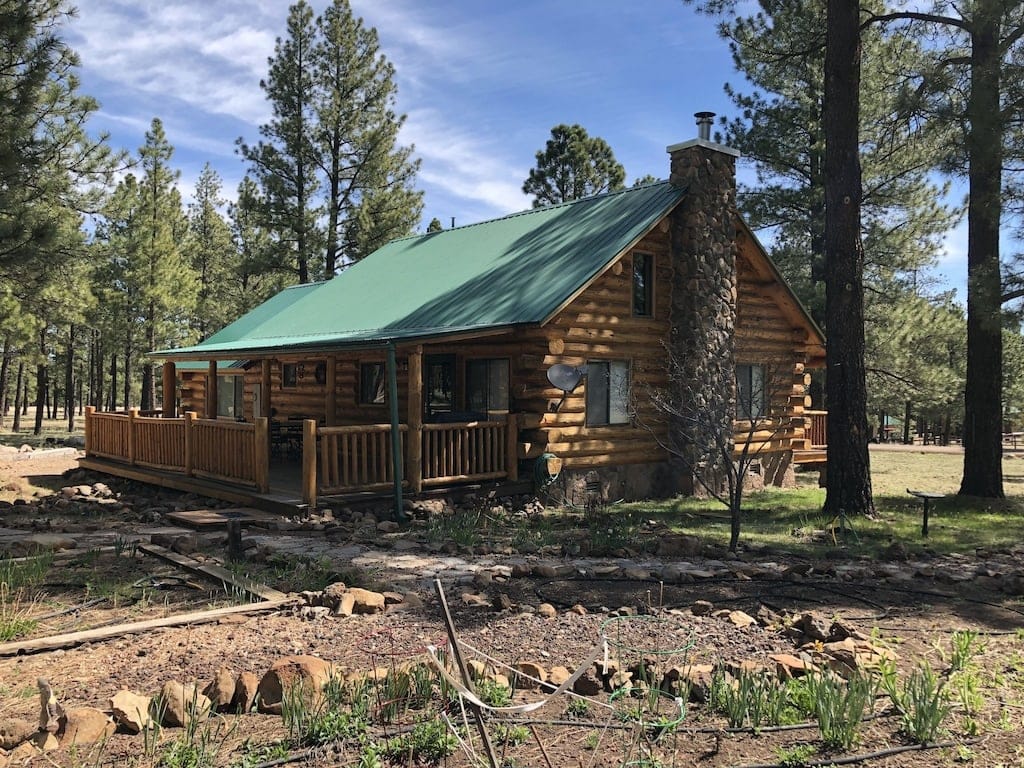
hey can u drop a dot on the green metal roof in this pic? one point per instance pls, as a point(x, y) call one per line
point(517, 269)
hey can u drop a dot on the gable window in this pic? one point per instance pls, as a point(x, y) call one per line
point(643, 284)
point(372, 384)
point(487, 385)
point(607, 392)
point(229, 396)
point(289, 376)
point(750, 400)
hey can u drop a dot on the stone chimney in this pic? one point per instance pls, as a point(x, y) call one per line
point(703, 309)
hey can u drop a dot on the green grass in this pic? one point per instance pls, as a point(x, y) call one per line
point(790, 520)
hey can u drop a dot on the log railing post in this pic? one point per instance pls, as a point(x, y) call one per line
point(414, 449)
point(190, 417)
point(133, 414)
point(261, 453)
point(89, 425)
point(512, 448)
point(309, 462)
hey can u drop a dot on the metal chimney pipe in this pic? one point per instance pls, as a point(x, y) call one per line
point(704, 121)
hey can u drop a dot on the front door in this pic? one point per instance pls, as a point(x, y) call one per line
point(438, 387)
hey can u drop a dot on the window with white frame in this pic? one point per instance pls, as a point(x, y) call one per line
point(607, 392)
point(750, 400)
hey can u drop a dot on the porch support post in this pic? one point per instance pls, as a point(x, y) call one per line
point(414, 438)
point(170, 389)
point(332, 391)
point(190, 419)
point(211, 391)
point(133, 414)
point(264, 388)
point(261, 451)
point(89, 426)
point(396, 436)
point(309, 458)
point(512, 448)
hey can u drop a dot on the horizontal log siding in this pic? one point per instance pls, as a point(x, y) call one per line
point(598, 325)
point(766, 336)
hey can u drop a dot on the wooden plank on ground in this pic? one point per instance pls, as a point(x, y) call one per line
point(205, 518)
point(119, 630)
point(214, 572)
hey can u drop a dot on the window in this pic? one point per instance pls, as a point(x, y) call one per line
point(607, 393)
point(289, 376)
point(749, 391)
point(229, 396)
point(643, 282)
point(372, 384)
point(487, 385)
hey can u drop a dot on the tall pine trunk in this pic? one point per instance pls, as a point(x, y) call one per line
point(16, 424)
point(983, 453)
point(849, 478)
point(5, 372)
point(69, 380)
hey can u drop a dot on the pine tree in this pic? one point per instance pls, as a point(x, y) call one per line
point(367, 177)
point(212, 254)
point(284, 162)
point(252, 280)
point(573, 165)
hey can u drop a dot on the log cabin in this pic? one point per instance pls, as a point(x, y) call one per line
point(537, 346)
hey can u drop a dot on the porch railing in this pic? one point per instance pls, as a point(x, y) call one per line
point(817, 428)
point(464, 452)
point(356, 458)
point(235, 452)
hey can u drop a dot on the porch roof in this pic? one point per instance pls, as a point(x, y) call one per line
point(482, 277)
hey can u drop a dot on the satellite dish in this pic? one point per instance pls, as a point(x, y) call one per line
point(565, 377)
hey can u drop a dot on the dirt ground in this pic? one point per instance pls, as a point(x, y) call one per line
point(914, 616)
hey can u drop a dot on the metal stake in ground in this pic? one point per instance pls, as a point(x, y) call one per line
point(478, 717)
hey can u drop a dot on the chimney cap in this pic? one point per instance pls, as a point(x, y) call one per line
point(704, 122)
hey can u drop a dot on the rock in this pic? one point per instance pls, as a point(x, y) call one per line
point(181, 704)
point(393, 598)
point(768, 618)
point(620, 679)
point(388, 526)
point(357, 600)
point(557, 676)
point(741, 619)
point(475, 601)
point(50, 710)
point(45, 742)
point(42, 542)
point(131, 711)
point(15, 731)
point(308, 672)
point(221, 690)
point(521, 569)
point(246, 690)
point(578, 609)
point(477, 669)
point(695, 677)
point(678, 545)
point(86, 725)
point(22, 753)
point(503, 602)
point(701, 608)
point(531, 675)
point(813, 627)
point(588, 684)
point(546, 610)
point(788, 666)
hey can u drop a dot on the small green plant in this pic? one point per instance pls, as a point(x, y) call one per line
point(754, 699)
point(577, 707)
point(964, 647)
point(428, 742)
point(592, 740)
point(256, 755)
point(25, 573)
point(337, 712)
point(463, 527)
point(199, 744)
point(923, 703)
point(493, 694)
point(510, 735)
point(15, 613)
point(796, 756)
point(841, 706)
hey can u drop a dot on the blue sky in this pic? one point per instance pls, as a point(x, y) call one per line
point(482, 84)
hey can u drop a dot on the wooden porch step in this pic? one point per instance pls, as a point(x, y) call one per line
point(812, 456)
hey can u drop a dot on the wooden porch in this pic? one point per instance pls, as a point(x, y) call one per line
point(816, 452)
point(233, 460)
